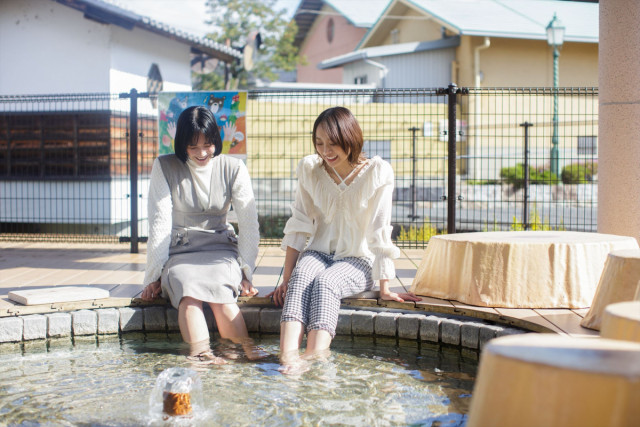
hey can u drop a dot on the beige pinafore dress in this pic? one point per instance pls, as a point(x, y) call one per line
point(203, 252)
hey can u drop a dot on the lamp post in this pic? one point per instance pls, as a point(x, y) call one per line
point(555, 38)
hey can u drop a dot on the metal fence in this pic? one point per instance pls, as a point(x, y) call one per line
point(551, 133)
point(65, 159)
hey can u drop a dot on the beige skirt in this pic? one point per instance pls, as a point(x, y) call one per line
point(209, 276)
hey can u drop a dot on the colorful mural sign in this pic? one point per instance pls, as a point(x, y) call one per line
point(229, 109)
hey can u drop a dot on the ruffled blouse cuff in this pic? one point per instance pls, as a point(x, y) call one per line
point(383, 268)
point(295, 240)
point(246, 269)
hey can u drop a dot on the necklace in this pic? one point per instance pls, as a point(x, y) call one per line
point(343, 185)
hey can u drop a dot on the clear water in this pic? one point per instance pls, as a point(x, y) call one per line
point(109, 381)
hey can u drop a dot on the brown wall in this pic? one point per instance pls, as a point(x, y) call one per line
point(317, 47)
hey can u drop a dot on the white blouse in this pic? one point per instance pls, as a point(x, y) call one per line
point(350, 222)
point(160, 222)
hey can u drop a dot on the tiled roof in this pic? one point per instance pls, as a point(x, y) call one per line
point(108, 13)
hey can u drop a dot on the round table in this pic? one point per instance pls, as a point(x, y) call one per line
point(517, 269)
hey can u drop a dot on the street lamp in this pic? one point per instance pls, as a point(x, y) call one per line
point(555, 38)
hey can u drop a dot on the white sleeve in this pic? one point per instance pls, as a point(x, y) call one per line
point(244, 204)
point(300, 226)
point(159, 208)
point(379, 234)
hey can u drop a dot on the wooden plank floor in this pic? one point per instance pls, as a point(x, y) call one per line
point(33, 265)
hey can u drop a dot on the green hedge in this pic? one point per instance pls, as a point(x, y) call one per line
point(579, 173)
point(515, 176)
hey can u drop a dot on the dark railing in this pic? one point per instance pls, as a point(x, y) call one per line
point(459, 157)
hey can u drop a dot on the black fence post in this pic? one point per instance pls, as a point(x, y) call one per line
point(525, 213)
point(133, 96)
point(133, 140)
point(414, 159)
point(451, 159)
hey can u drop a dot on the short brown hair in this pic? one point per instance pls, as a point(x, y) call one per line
point(343, 129)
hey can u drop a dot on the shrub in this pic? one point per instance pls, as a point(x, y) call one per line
point(482, 181)
point(272, 226)
point(515, 176)
point(579, 173)
point(417, 234)
point(535, 223)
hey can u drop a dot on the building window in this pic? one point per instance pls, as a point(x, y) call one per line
point(395, 36)
point(587, 145)
point(71, 145)
point(360, 80)
point(331, 28)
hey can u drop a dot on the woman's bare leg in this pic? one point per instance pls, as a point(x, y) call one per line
point(191, 320)
point(291, 334)
point(194, 331)
point(230, 322)
point(318, 343)
point(231, 326)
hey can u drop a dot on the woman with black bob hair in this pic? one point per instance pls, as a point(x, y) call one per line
point(193, 254)
point(199, 120)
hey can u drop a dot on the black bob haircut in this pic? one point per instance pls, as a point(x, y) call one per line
point(192, 122)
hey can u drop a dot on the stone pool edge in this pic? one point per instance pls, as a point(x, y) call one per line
point(366, 317)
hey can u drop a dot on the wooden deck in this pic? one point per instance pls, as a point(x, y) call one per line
point(27, 265)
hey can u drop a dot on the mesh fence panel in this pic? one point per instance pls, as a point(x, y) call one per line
point(561, 196)
point(64, 159)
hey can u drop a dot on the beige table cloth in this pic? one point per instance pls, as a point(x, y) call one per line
point(517, 269)
point(619, 282)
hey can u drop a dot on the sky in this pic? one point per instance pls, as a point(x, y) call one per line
point(187, 15)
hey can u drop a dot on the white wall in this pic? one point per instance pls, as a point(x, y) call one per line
point(425, 69)
point(133, 53)
point(48, 48)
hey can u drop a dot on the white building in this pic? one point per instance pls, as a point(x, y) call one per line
point(65, 159)
point(90, 46)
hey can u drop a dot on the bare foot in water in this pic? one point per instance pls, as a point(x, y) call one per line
point(252, 351)
point(316, 355)
point(232, 351)
point(202, 353)
point(295, 369)
point(207, 358)
point(292, 364)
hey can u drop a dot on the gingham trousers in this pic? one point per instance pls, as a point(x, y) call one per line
point(318, 283)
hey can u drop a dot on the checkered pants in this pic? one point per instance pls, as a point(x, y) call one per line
point(317, 285)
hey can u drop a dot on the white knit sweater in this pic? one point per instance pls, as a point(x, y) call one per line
point(160, 208)
point(352, 222)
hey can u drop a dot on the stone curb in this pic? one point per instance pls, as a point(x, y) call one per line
point(472, 334)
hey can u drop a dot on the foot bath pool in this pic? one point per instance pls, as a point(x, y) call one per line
point(110, 381)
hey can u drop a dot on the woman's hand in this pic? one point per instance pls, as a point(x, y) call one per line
point(279, 294)
point(151, 291)
point(402, 297)
point(247, 288)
